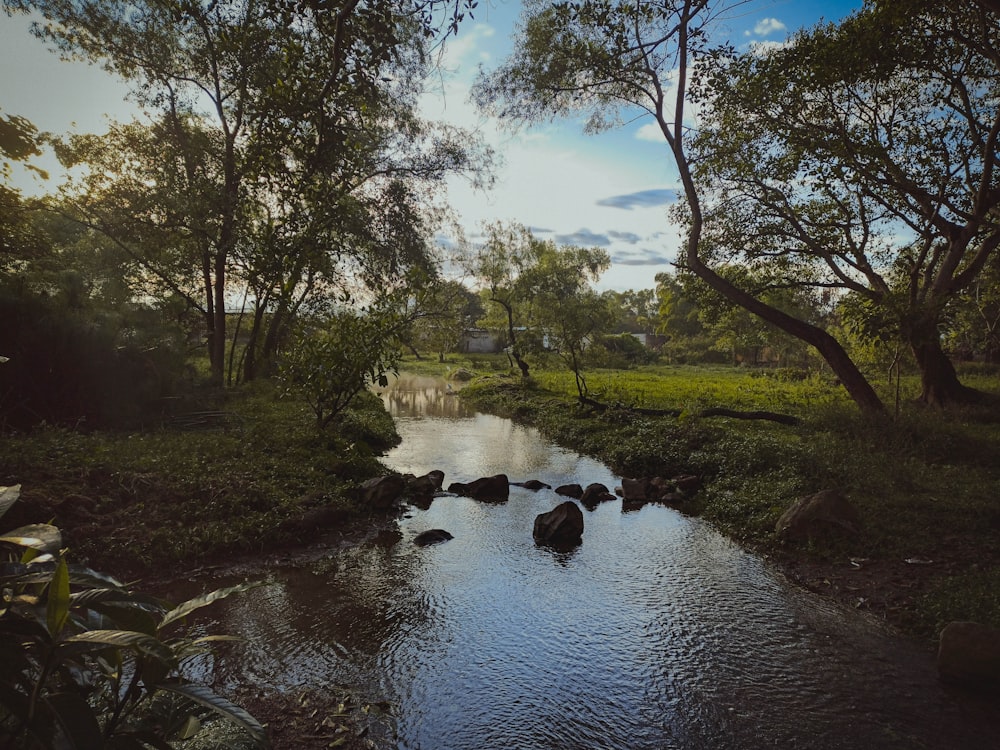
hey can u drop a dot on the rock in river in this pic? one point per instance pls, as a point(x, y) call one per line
point(431, 536)
point(561, 526)
point(495, 488)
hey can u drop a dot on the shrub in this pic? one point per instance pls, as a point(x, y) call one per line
point(88, 663)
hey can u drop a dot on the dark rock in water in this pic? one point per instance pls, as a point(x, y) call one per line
point(428, 484)
point(382, 493)
point(969, 654)
point(533, 484)
point(561, 526)
point(495, 488)
point(636, 490)
point(431, 536)
point(594, 495)
point(827, 513)
point(570, 490)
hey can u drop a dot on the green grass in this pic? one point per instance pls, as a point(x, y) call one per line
point(926, 483)
point(174, 496)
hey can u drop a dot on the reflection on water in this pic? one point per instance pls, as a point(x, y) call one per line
point(655, 633)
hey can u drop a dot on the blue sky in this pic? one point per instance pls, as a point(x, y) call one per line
point(610, 190)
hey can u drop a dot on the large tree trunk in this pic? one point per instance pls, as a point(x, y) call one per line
point(829, 348)
point(938, 380)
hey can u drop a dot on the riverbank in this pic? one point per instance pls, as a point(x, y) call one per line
point(243, 476)
point(925, 485)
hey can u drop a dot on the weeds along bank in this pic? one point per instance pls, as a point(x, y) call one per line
point(250, 474)
point(925, 484)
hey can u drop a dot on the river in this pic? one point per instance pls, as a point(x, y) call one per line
point(655, 633)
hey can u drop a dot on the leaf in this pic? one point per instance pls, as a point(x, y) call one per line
point(57, 608)
point(38, 536)
point(82, 576)
point(8, 496)
point(188, 729)
point(191, 605)
point(230, 711)
point(77, 719)
point(98, 639)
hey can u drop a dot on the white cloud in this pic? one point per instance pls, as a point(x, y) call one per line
point(650, 132)
point(766, 27)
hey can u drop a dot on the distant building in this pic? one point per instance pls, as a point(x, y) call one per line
point(480, 341)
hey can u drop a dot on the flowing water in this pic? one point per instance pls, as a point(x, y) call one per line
point(654, 633)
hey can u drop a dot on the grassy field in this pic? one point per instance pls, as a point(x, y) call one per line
point(926, 482)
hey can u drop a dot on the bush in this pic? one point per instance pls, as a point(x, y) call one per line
point(89, 663)
point(68, 367)
point(619, 351)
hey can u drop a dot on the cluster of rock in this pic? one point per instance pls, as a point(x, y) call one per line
point(561, 527)
point(969, 653)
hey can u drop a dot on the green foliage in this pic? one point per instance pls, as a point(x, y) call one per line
point(337, 357)
point(84, 365)
point(85, 658)
point(620, 351)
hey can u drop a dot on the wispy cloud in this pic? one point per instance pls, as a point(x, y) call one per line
point(641, 199)
point(630, 237)
point(583, 237)
point(640, 258)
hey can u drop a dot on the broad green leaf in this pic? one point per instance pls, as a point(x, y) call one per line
point(9, 496)
point(57, 609)
point(183, 610)
point(38, 536)
point(98, 639)
point(205, 697)
point(82, 576)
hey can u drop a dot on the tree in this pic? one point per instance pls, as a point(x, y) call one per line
point(442, 313)
point(534, 282)
point(291, 125)
point(563, 307)
point(19, 141)
point(862, 158)
point(498, 265)
point(636, 309)
point(602, 57)
point(337, 356)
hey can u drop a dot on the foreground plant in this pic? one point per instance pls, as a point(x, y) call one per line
point(87, 663)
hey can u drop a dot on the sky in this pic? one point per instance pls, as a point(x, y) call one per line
point(609, 190)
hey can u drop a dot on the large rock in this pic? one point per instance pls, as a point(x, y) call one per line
point(560, 527)
point(491, 489)
point(570, 490)
point(825, 514)
point(428, 484)
point(382, 493)
point(636, 490)
point(595, 494)
point(431, 536)
point(969, 654)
